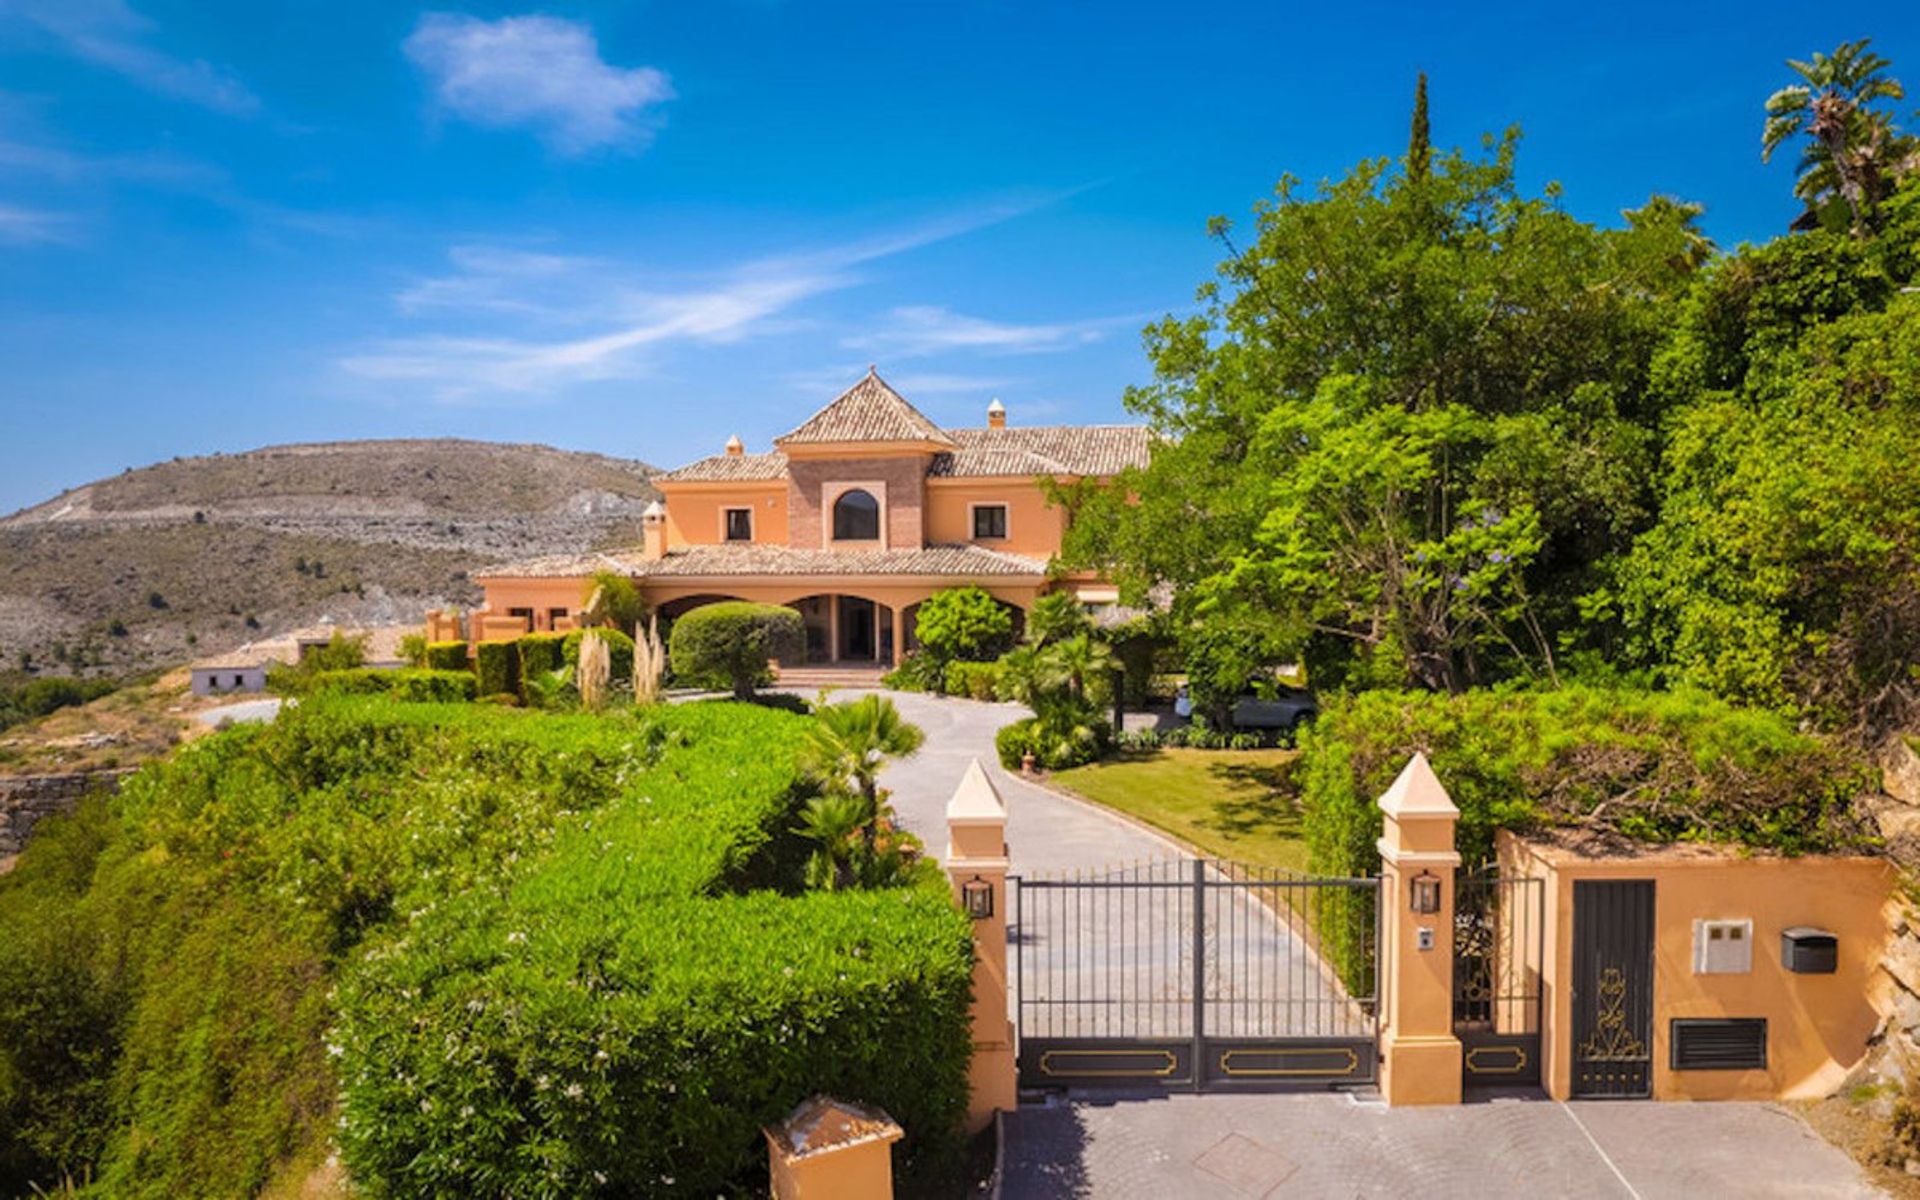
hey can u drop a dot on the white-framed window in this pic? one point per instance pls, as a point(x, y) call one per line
point(737, 524)
point(989, 522)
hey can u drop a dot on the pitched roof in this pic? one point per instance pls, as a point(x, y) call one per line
point(1044, 450)
point(730, 468)
point(751, 559)
point(869, 411)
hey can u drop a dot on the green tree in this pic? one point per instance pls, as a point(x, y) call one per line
point(1852, 152)
point(963, 623)
point(1420, 137)
point(851, 741)
point(1406, 426)
point(614, 599)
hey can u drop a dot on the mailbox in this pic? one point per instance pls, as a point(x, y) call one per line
point(1808, 951)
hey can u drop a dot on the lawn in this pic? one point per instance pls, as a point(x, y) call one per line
point(1236, 804)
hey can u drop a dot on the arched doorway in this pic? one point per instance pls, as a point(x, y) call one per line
point(848, 629)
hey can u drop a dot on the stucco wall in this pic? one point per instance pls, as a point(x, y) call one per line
point(1818, 1026)
point(1034, 528)
point(540, 595)
point(905, 481)
point(693, 512)
point(215, 681)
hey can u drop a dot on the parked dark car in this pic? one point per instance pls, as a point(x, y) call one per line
point(1289, 709)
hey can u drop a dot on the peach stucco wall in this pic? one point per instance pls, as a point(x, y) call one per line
point(1034, 527)
point(1817, 1025)
point(540, 595)
point(694, 512)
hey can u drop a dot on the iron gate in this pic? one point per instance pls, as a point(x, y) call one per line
point(1498, 951)
point(1612, 987)
point(1195, 974)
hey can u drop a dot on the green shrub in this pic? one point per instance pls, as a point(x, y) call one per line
point(727, 645)
point(413, 649)
point(449, 656)
point(433, 687)
point(356, 681)
point(975, 680)
point(1014, 742)
point(489, 952)
point(543, 652)
point(1058, 741)
point(963, 622)
point(919, 673)
point(1656, 767)
point(619, 653)
point(498, 666)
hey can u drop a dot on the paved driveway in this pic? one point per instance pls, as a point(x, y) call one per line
point(1331, 1144)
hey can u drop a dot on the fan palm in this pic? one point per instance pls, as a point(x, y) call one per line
point(837, 824)
point(850, 742)
point(1852, 152)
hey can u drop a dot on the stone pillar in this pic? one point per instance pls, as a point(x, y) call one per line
point(1419, 1054)
point(833, 628)
point(831, 1150)
point(977, 851)
point(899, 634)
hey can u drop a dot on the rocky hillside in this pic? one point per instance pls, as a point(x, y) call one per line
point(169, 562)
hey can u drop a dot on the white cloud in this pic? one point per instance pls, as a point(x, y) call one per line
point(30, 226)
point(542, 73)
point(110, 34)
point(919, 330)
point(604, 319)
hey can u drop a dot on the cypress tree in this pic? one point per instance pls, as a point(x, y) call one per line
point(1420, 143)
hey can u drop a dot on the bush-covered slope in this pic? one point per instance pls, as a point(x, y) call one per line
point(502, 953)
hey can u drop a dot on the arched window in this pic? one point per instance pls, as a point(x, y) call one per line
point(856, 517)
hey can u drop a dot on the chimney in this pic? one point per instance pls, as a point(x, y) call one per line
point(996, 414)
point(734, 448)
point(654, 522)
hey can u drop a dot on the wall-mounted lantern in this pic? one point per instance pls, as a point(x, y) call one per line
point(1423, 893)
point(976, 896)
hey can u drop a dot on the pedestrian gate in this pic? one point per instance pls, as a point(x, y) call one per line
point(1195, 974)
point(1499, 932)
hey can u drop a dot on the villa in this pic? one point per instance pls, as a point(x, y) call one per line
point(860, 513)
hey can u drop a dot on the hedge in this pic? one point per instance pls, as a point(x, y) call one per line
point(488, 952)
point(449, 656)
point(619, 652)
point(727, 645)
point(1646, 766)
point(975, 680)
point(498, 666)
point(1056, 745)
point(542, 653)
point(416, 686)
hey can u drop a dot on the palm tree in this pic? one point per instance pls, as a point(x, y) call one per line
point(837, 823)
point(850, 742)
point(1853, 151)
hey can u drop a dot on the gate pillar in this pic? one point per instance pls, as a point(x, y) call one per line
point(1419, 1054)
point(977, 865)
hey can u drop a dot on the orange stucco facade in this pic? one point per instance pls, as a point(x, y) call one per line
point(855, 517)
point(1818, 1025)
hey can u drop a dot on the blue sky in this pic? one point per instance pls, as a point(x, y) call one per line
point(637, 228)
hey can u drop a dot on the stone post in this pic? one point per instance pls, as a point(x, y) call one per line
point(977, 854)
point(1419, 1054)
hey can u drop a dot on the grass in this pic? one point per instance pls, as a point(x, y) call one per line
point(1235, 804)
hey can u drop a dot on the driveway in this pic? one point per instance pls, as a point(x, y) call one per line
point(1175, 1147)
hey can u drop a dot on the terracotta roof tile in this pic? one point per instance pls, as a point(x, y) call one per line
point(869, 411)
point(1044, 450)
point(730, 468)
point(747, 559)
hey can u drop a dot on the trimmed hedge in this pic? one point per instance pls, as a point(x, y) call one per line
point(975, 680)
point(498, 666)
point(414, 686)
point(448, 656)
point(491, 952)
point(619, 653)
point(1653, 767)
point(727, 645)
point(541, 653)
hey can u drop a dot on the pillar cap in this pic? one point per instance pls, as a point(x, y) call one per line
point(1417, 792)
point(821, 1123)
point(976, 801)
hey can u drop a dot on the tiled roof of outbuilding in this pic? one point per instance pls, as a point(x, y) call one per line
point(749, 559)
point(869, 411)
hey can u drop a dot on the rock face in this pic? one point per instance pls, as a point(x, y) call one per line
point(24, 799)
point(1896, 1050)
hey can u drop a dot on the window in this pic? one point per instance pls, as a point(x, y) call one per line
point(739, 524)
point(856, 517)
point(989, 521)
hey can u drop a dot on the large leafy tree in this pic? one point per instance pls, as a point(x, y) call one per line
point(1851, 153)
point(1407, 420)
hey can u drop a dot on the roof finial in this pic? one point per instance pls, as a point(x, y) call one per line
point(873, 368)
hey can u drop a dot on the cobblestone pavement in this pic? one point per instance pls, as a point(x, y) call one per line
point(1187, 1147)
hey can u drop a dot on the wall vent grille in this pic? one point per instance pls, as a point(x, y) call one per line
point(1735, 1044)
